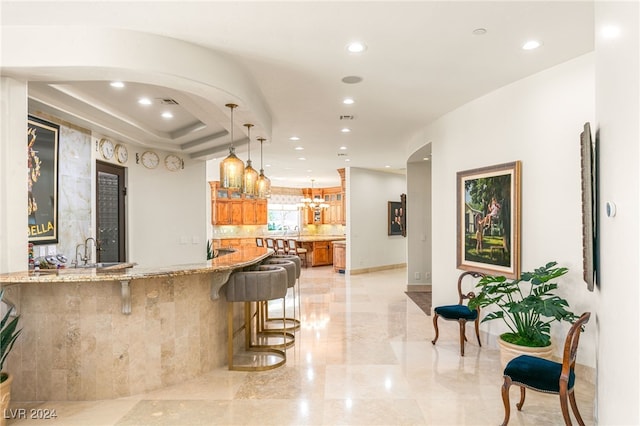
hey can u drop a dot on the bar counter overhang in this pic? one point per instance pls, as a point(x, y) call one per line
point(89, 334)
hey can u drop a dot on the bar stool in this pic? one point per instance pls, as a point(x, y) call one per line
point(298, 251)
point(292, 276)
point(270, 282)
point(259, 242)
point(271, 243)
point(280, 247)
point(295, 259)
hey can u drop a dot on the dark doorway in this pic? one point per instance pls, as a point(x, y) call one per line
point(110, 212)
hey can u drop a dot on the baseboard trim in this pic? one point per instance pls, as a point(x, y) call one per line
point(419, 287)
point(376, 269)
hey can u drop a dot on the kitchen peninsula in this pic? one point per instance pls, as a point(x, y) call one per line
point(99, 334)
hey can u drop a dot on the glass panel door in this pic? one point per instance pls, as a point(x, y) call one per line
point(110, 213)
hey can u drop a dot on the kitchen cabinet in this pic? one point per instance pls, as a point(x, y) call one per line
point(339, 256)
point(320, 252)
point(231, 207)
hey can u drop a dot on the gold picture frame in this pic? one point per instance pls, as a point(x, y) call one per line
point(488, 228)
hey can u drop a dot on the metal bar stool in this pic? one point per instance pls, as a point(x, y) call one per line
point(270, 282)
point(295, 259)
point(292, 276)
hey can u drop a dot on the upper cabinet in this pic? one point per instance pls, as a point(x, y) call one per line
point(334, 197)
point(231, 207)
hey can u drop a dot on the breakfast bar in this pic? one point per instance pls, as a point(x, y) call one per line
point(101, 333)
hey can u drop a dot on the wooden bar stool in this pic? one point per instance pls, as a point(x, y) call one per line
point(301, 252)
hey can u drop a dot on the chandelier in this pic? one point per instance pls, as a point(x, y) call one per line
point(315, 203)
point(263, 184)
point(250, 178)
point(231, 168)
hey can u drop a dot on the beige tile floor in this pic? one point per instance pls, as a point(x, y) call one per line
point(363, 356)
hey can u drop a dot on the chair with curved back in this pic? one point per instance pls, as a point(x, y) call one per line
point(547, 376)
point(297, 251)
point(259, 242)
point(460, 312)
point(280, 246)
point(271, 243)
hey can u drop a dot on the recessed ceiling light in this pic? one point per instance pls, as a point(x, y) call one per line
point(267, 165)
point(144, 101)
point(299, 148)
point(356, 47)
point(531, 44)
point(345, 130)
point(117, 84)
point(610, 31)
point(426, 158)
point(479, 31)
point(301, 158)
point(167, 114)
point(387, 166)
point(351, 79)
point(347, 160)
point(294, 138)
point(343, 148)
point(348, 101)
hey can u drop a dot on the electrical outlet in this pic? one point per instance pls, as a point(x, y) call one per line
point(416, 276)
point(51, 250)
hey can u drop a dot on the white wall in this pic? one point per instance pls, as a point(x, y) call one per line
point(13, 163)
point(538, 121)
point(618, 114)
point(419, 222)
point(167, 213)
point(368, 245)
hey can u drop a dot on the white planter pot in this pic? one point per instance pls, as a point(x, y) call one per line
point(508, 351)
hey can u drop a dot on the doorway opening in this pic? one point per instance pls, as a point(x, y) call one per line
point(111, 192)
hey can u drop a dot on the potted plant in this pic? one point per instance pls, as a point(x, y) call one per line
point(8, 336)
point(528, 306)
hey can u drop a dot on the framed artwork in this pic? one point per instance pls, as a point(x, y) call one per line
point(42, 158)
point(396, 222)
point(589, 223)
point(488, 229)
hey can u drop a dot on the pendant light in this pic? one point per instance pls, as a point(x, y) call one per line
point(263, 183)
point(231, 168)
point(250, 175)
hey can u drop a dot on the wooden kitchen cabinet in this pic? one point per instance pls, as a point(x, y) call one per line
point(319, 253)
point(339, 256)
point(233, 208)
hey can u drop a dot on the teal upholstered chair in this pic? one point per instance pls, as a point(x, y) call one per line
point(547, 376)
point(460, 312)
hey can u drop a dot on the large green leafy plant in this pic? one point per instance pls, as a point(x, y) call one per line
point(8, 336)
point(527, 305)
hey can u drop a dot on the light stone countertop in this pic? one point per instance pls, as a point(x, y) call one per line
point(243, 256)
point(302, 238)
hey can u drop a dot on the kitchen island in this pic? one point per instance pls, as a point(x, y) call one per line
point(92, 334)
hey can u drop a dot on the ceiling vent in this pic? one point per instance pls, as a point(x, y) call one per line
point(342, 154)
point(347, 117)
point(168, 101)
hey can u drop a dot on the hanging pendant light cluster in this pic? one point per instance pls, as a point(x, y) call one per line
point(231, 168)
point(249, 181)
point(263, 183)
point(314, 203)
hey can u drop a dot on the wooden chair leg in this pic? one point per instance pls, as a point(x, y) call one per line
point(435, 325)
point(505, 400)
point(523, 394)
point(574, 407)
point(478, 330)
point(463, 323)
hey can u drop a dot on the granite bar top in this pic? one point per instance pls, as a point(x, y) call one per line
point(303, 238)
point(243, 256)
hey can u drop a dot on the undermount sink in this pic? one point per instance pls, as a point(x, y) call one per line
point(108, 265)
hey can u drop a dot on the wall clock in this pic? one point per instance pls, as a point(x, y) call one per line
point(173, 162)
point(122, 155)
point(150, 159)
point(106, 149)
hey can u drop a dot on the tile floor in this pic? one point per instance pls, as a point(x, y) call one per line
point(363, 356)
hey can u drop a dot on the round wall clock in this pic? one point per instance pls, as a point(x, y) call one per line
point(122, 155)
point(106, 149)
point(173, 162)
point(150, 159)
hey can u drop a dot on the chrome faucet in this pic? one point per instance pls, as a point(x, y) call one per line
point(87, 256)
point(82, 258)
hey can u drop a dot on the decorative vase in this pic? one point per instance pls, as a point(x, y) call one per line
point(5, 397)
point(508, 351)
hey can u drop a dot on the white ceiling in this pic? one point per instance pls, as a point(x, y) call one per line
point(422, 61)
